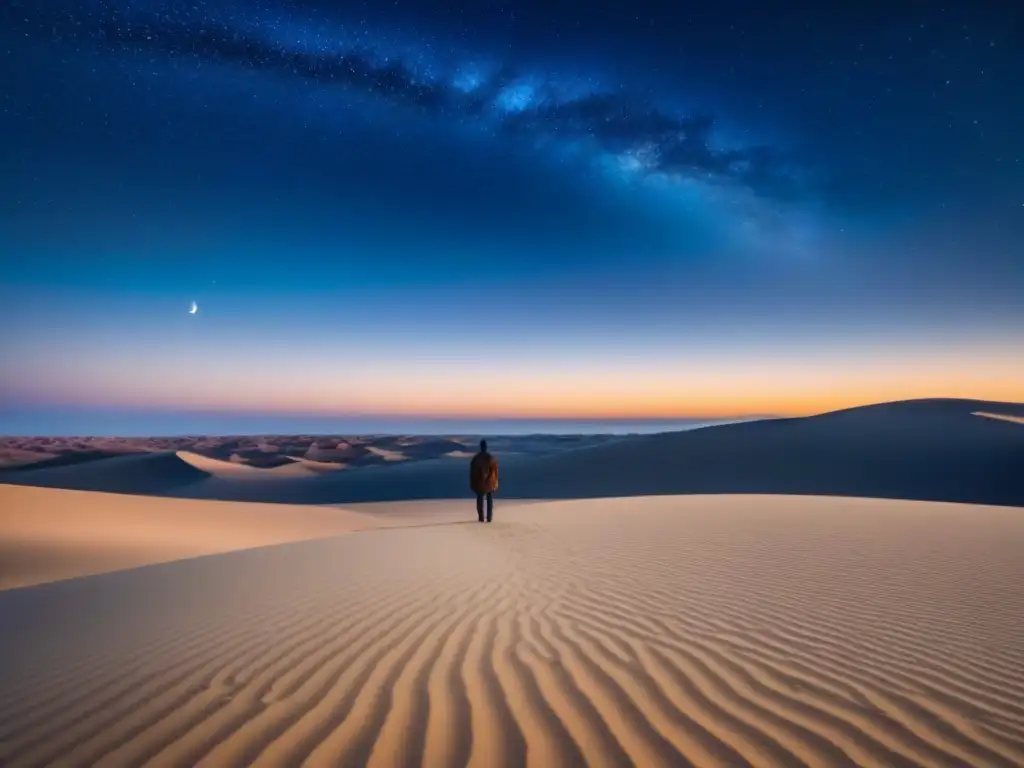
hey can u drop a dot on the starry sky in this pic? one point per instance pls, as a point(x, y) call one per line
point(553, 208)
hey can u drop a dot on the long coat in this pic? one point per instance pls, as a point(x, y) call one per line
point(483, 473)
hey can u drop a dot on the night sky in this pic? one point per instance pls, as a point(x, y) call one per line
point(549, 208)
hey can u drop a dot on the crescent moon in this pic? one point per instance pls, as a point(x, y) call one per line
point(193, 309)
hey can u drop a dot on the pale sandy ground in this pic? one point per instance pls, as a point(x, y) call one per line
point(48, 534)
point(701, 630)
point(52, 533)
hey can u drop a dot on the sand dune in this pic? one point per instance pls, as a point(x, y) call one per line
point(268, 451)
point(923, 450)
point(145, 473)
point(387, 455)
point(651, 629)
point(318, 467)
point(295, 468)
point(932, 450)
point(707, 631)
point(48, 534)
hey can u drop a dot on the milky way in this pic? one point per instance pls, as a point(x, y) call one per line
point(640, 138)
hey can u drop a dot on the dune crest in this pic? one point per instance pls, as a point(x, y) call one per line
point(152, 474)
point(1001, 417)
point(219, 468)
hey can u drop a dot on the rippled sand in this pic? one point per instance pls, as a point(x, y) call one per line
point(718, 631)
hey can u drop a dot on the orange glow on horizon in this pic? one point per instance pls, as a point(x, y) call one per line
point(571, 400)
point(631, 388)
point(660, 409)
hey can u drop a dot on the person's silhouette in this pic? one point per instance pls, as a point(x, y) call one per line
point(483, 481)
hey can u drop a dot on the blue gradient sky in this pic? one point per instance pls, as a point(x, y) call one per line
point(506, 210)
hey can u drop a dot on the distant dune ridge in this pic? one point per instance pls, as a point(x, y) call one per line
point(143, 473)
point(932, 450)
point(603, 618)
point(271, 451)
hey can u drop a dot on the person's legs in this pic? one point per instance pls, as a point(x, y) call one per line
point(480, 507)
point(490, 506)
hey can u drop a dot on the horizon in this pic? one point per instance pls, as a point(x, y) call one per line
point(107, 424)
point(154, 424)
point(551, 213)
point(49, 420)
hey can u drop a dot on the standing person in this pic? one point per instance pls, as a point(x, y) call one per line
point(483, 480)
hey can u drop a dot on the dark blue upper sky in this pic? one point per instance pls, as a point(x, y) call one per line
point(678, 208)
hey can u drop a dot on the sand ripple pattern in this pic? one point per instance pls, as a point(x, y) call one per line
point(704, 631)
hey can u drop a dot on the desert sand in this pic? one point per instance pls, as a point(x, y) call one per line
point(48, 534)
point(727, 629)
